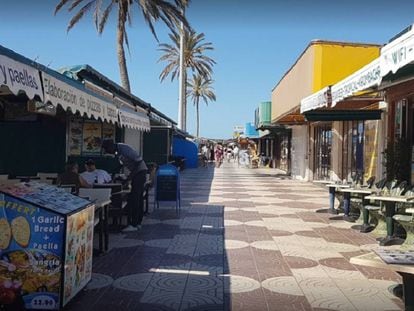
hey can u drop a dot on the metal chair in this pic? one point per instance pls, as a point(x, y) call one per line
point(405, 219)
point(375, 211)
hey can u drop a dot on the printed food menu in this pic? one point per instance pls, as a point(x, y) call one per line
point(30, 255)
point(79, 244)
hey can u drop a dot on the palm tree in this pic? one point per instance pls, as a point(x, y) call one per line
point(153, 10)
point(194, 58)
point(200, 87)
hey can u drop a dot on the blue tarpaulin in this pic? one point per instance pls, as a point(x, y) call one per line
point(186, 149)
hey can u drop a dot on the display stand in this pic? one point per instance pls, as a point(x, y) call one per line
point(46, 241)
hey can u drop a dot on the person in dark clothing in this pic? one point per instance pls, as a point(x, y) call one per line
point(137, 168)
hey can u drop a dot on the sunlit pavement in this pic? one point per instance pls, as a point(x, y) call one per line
point(245, 239)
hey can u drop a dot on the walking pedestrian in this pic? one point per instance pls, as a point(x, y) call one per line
point(218, 154)
point(137, 168)
point(236, 154)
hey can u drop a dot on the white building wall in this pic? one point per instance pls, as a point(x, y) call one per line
point(134, 138)
point(299, 149)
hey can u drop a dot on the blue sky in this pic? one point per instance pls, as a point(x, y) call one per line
point(255, 42)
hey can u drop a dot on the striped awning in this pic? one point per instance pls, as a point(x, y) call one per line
point(367, 77)
point(19, 77)
point(134, 119)
point(316, 100)
point(70, 94)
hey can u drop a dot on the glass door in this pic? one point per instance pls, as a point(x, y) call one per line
point(323, 145)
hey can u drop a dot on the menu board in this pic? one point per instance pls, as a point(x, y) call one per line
point(30, 255)
point(49, 196)
point(79, 245)
point(108, 131)
point(92, 135)
point(75, 137)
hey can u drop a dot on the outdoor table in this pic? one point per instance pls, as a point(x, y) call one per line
point(332, 189)
point(390, 202)
point(406, 272)
point(362, 193)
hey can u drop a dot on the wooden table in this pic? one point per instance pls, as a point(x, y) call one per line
point(332, 189)
point(406, 272)
point(362, 193)
point(389, 202)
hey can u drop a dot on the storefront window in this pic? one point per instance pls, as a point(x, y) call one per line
point(85, 136)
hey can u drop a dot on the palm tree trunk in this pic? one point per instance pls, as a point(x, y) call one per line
point(198, 116)
point(123, 71)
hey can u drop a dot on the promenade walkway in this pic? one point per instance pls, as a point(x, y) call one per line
point(244, 240)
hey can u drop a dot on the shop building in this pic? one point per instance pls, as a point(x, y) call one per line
point(273, 141)
point(313, 142)
point(397, 71)
point(47, 117)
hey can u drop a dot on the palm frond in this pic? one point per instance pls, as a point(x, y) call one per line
point(80, 14)
point(74, 4)
point(61, 4)
point(97, 14)
point(104, 17)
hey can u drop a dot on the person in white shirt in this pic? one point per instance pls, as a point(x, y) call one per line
point(236, 154)
point(92, 175)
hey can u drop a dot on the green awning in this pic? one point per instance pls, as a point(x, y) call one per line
point(342, 115)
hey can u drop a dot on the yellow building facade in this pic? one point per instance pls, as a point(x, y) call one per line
point(315, 145)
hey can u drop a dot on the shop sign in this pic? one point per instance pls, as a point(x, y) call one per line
point(366, 77)
point(397, 53)
point(19, 77)
point(316, 100)
point(61, 93)
point(134, 120)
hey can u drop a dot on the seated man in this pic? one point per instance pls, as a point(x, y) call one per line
point(92, 175)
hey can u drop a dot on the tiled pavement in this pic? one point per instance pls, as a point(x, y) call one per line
point(244, 240)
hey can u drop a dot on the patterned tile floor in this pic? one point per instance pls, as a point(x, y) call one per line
point(244, 240)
